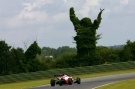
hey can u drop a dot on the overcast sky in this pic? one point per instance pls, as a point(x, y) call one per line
point(47, 21)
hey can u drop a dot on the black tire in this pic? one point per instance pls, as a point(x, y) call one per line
point(70, 81)
point(52, 82)
point(60, 83)
point(78, 80)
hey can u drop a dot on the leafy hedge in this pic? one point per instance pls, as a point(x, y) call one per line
point(69, 71)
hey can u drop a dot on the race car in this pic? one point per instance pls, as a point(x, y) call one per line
point(64, 79)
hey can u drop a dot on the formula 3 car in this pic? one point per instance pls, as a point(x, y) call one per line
point(64, 79)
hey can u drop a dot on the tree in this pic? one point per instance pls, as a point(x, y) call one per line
point(46, 51)
point(128, 52)
point(32, 51)
point(32, 63)
point(18, 59)
point(65, 50)
point(86, 33)
point(54, 57)
point(67, 60)
point(5, 58)
point(106, 55)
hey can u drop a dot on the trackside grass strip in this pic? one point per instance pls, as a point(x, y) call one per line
point(40, 82)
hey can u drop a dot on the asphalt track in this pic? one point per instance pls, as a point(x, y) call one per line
point(91, 83)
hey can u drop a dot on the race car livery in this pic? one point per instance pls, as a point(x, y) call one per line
point(64, 79)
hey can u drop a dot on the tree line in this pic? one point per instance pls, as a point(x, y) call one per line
point(103, 55)
point(16, 60)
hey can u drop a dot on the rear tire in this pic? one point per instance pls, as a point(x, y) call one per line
point(78, 80)
point(70, 81)
point(60, 83)
point(52, 82)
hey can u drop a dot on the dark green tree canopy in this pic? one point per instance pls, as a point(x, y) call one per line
point(86, 33)
point(32, 51)
point(86, 22)
point(4, 48)
point(129, 51)
point(5, 58)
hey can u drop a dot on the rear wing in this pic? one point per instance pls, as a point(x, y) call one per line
point(58, 75)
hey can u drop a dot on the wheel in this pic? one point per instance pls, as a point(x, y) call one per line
point(70, 81)
point(52, 82)
point(78, 80)
point(60, 83)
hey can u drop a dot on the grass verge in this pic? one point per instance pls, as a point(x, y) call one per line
point(125, 84)
point(34, 83)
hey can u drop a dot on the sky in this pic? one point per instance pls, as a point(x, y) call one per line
point(47, 21)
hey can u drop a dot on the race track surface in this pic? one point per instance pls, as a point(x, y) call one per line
point(90, 83)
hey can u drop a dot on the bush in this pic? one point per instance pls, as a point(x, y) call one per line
point(67, 60)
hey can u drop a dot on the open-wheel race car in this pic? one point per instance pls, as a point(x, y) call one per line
point(64, 79)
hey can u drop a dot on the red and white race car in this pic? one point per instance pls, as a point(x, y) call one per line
point(64, 79)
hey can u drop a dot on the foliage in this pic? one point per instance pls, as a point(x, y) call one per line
point(18, 60)
point(86, 33)
point(50, 56)
point(65, 50)
point(32, 51)
point(66, 61)
point(128, 52)
point(5, 58)
point(105, 55)
point(33, 64)
point(14, 60)
point(47, 51)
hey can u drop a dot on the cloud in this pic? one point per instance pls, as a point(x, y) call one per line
point(36, 4)
point(60, 17)
point(124, 2)
point(65, 1)
point(28, 15)
point(91, 3)
point(88, 5)
point(26, 18)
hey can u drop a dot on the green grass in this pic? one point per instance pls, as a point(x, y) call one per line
point(33, 83)
point(125, 84)
point(23, 85)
